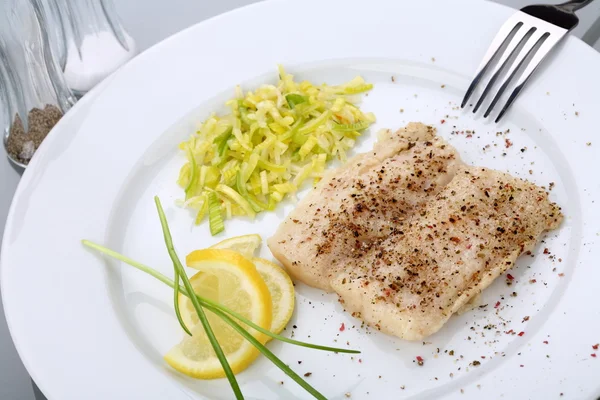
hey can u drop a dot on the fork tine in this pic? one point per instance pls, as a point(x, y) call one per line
point(521, 59)
point(539, 56)
point(506, 33)
point(507, 57)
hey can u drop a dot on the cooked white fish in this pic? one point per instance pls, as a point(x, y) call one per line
point(372, 192)
point(408, 234)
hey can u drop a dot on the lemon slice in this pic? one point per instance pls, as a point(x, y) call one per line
point(282, 292)
point(230, 279)
point(279, 283)
point(246, 245)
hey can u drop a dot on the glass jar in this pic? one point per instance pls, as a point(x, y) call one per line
point(56, 31)
point(96, 42)
point(34, 92)
point(8, 102)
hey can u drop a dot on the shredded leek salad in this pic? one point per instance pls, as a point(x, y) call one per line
point(274, 139)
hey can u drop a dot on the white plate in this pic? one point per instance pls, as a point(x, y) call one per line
point(89, 328)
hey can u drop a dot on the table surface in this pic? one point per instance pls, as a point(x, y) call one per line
point(147, 29)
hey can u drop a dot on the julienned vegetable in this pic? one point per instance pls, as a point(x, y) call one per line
point(274, 139)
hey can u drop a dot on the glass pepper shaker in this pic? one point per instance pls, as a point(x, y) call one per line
point(56, 31)
point(8, 105)
point(34, 92)
point(96, 42)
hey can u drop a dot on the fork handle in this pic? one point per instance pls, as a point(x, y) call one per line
point(573, 5)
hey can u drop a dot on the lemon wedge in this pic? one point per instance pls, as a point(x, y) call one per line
point(282, 292)
point(246, 245)
point(232, 280)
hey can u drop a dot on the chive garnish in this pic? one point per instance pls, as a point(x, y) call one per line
point(223, 312)
point(201, 315)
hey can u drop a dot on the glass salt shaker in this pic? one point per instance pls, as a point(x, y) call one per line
point(96, 42)
point(34, 93)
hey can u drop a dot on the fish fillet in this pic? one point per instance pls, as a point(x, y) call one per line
point(403, 169)
point(407, 234)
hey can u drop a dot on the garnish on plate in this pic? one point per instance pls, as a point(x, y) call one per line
point(273, 139)
point(252, 332)
point(277, 280)
point(228, 278)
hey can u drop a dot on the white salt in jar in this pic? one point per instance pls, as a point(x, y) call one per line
point(96, 43)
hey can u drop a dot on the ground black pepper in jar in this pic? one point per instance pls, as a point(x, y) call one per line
point(34, 92)
point(21, 145)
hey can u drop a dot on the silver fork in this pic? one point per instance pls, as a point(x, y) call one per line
point(521, 45)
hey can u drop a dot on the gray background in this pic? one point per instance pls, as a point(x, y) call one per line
point(149, 22)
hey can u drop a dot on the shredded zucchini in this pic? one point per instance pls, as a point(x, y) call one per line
point(273, 140)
